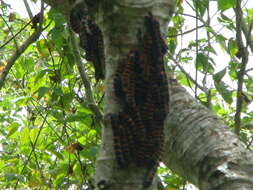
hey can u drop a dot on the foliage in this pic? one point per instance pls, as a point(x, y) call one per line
point(209, 64)
point(44, 112)
point(49, 137)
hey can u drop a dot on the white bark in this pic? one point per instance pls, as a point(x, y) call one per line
point(201, 148)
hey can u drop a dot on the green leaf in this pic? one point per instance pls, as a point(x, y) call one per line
point(74, 118)
point(57, 92)
point(42, 48)
point(21, 101)
point(13, 129)
point(19, 71)
point(42, 91)
point(221, 40)
point(33, 134)
point(201, 6)
point(58, 115)
point(224, 91)
point(27, 64)
point(249, 14)
point(41, 74)
point(67, 99)
point(84, 110)
point(172, 45)
point(57, 17)
point(232, 47)
point(24, 134)
point(218, 76)
point(183, 79)
point(90, 153)
point(203, 64)
point(226, 4)
point(233, 70)
point(178, 20)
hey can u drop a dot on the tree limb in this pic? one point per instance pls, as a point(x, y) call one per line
point(247, 33)
point(21, 49)
point(201, 148)
point(242, 50)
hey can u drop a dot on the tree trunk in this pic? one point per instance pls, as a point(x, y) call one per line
point(198, 146)
point(121, 22)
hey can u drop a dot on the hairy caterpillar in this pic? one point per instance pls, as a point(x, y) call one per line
point(91, 39)
point(140, 85)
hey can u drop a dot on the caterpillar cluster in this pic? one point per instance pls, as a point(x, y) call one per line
point(91, 39)
point(140, 83)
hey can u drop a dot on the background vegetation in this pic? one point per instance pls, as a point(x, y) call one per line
point(49, 135)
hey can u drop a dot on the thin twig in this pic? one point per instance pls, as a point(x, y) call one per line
point(208, 94)
point(197, 48)
point(250, 143)
point(186, 32)
point(9, 28)
point(244, 59)
point(15, 35)
point(188, 76)
point(91, 102)
point(247, 33)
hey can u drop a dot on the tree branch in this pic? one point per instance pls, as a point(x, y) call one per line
point(21, 49)
point(186, 32)
point(247, 33)
point(201, 148)
point(240, 75)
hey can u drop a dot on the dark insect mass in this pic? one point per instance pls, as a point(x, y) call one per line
point(76, 17)
point(140, 84)
point(91, 39)
point(35, 20)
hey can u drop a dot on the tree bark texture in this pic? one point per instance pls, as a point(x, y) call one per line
point(198, 145)
point(201, 148)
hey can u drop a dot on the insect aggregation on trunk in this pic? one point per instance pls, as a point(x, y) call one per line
point(140, 84)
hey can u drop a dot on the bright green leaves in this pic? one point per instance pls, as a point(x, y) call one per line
point(172, 40)
point(43, 109)
point(226, 4)
point(249, 15)
point(43, 47)
point(232, 47)
point(12, 129)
